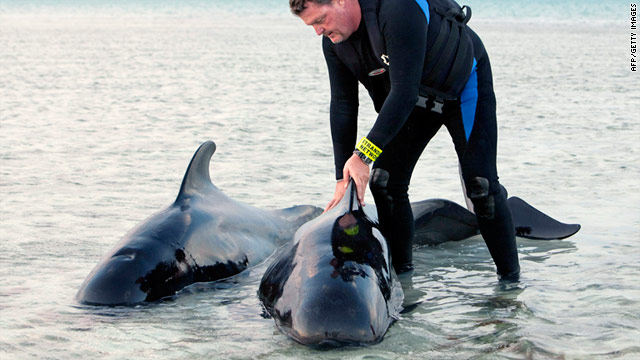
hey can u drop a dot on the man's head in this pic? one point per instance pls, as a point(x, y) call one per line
point(335, 19)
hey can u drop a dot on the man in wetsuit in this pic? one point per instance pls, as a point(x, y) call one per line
point(423, 68)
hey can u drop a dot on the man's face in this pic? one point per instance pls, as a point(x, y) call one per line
point(337, 20)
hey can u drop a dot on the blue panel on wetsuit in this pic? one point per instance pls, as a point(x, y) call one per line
point(424, 5)
point(469, 100)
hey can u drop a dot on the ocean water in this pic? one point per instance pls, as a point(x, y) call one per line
point(102, 105)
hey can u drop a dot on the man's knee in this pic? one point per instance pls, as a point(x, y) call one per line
point(378, 181)
point(394, 223)
point(381, 187)
point(478, 190)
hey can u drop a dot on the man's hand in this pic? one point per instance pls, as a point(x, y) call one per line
point(359, 171)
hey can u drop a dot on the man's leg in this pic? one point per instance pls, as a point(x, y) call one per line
point(474, 132)
point(389, 184)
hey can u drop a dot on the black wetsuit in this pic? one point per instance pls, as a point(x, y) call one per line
point(402, 130)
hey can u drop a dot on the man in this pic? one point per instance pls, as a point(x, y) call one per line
point(423, 68)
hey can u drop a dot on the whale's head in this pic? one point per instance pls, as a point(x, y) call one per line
point(335, 284)
point(143, 266)
point(115, 281)
point(349, 299)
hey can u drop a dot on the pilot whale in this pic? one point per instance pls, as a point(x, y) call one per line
point(203, 236)
point(334, 284)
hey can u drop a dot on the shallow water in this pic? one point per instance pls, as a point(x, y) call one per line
point(101, 108)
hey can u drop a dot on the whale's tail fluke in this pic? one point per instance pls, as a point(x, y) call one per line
point(439, 220)
point(532, 223)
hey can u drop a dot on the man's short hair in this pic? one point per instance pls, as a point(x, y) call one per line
point(298, 6)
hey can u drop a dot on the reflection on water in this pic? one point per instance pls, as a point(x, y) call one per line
point(100, 112)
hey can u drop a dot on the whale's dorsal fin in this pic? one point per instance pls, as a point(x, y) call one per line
point(354, 204)
point(350, 201)
point(197, 178)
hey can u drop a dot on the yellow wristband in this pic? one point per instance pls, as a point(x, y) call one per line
point(369, 149)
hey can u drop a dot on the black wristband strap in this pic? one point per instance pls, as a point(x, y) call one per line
point(363, 157)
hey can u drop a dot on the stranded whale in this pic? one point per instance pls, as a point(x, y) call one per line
point(334, 283)
point(203, 236)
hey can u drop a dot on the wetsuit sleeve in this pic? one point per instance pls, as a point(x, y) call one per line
point(344, 107)
point(404, 28)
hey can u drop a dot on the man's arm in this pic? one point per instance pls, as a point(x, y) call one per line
point(344, 107)
point(404, 28)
